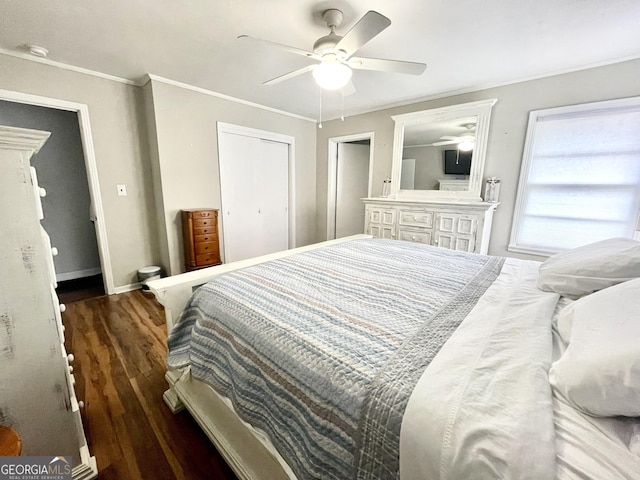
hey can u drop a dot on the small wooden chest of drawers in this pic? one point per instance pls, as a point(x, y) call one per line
point(200, 235)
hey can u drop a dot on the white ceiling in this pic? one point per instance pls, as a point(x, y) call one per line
point(467, 44)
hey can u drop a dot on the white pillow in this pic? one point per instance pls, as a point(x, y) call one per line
point(599, 372)
point(587, 269)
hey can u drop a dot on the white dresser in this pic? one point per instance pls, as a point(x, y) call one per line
point(458, 225)
point(37, 397)
point(452, 185)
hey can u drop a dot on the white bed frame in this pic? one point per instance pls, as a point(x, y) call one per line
point(247, 451)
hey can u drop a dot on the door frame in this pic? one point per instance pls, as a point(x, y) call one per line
point(332, 171)
point(223, 127)
point(86, 138)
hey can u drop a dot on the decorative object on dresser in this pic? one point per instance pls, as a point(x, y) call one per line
point(200, 235)
point(37, 398)
point(464, 226)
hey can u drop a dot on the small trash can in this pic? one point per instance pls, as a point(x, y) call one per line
point(145, 274)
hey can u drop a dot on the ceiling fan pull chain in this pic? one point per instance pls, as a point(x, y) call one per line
point(320, 123)
point(342, 106)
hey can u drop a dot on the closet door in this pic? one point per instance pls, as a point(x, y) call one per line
point(254, 181)
point(272, 193)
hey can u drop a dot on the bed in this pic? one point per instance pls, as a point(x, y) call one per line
point(370, 359)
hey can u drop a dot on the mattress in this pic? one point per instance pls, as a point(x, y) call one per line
point(477, 404)
point(321, 350)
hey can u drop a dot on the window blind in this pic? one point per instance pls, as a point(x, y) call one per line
point(581, 179)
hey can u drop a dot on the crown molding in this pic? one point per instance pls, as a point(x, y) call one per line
point(150, 76)
point(488, 86)
point(66, 66)
point(450, 93)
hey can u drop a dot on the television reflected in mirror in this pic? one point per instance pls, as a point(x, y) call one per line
point(457, 162)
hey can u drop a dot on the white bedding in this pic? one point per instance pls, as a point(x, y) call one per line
point(484, 408)
point(598, 448)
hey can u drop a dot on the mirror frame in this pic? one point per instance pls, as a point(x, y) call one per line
point(480, 109)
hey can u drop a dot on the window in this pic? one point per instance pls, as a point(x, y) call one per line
point(580, 177)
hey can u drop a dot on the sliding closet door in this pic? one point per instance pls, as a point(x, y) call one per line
point(272, 185)
point(254, 181)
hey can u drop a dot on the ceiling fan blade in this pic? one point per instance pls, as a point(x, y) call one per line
point(370, 25)
point(448, 142)
point(382, 65)
point(297, 51)
point(289, 75)
point(449, 137)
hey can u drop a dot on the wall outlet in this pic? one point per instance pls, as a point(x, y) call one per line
point(122, 190)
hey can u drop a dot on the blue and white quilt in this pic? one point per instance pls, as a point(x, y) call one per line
point(321, 350)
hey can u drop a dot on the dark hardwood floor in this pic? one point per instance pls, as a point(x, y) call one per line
point(80, 289)
point(119, 343)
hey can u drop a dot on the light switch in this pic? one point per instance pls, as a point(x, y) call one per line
point(122, 190)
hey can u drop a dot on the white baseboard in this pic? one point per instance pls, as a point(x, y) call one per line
point(89, 272)
point(127, 288)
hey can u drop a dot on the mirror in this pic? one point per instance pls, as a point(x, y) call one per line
point(440, 153)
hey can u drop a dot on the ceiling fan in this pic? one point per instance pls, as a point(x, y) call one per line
point(335, 53)
point(465, 141)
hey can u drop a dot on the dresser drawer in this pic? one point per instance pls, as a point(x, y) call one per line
point(204, 214)
point(199, 231)
point(207, 247)
point(203, 222)
point(207, 259)
point(206, 237)
point(415, 236)
point(418, 218)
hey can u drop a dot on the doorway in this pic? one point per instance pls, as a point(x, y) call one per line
point(350, 173)
point(100, 277)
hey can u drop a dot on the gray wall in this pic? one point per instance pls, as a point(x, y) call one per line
point(429, 166)
point(61, 171)
point(116, 113)
point(184, 158)
point(506, 137)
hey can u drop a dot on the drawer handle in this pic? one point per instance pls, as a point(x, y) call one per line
point(70, 358)
point(204, 214)
point(42, 192)
point(415, 218)
point(54, 251)
point(413, 237)
point(63, 307)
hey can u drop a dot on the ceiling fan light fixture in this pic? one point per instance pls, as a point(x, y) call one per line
point(466, 145)
point(467, 140)
point(332, 74)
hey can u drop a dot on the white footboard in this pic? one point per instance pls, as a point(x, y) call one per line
point(173, 292)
